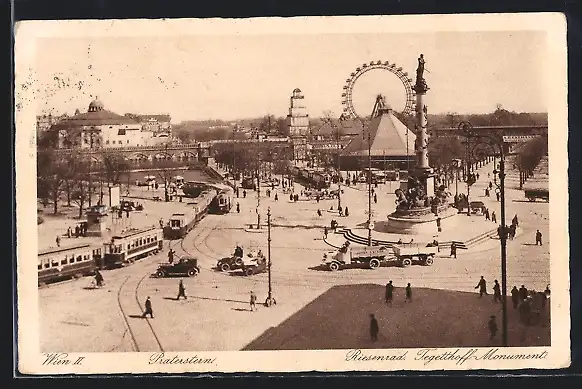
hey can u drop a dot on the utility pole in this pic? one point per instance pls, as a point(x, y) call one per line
point(258, 180)
point(270, 300)
point(369, 189)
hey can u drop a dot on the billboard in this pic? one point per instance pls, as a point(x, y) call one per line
point(113, 196)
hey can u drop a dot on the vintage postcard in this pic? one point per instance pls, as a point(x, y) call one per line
point(283, 195)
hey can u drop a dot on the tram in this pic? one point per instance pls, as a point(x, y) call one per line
point(60, 263)
point(222, 202)
point(132, 245)
point(181, 223)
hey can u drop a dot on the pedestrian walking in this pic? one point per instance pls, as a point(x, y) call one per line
point(374, 329)
point(253, 301)
point(496, 292)
point(181, 291)
point(487, 192)
point(493, 217)
point(375, 199)
point(346, 212)
point(325, 232)
point(453, 250)
point(171, 255)
point(148, 308)
point(290, 196)
point(276, 197)
point(237, 208)
point(389, 292)
point(492, 327)
point(244, 194)
point(490, 185)
point(538, 237)
point(515, 221)
point(319, 212)
point(77, 231)
point(497, 195)
point(482, 286)
point(58, 241)
point(98, 278)
point(515, 297)
point(487, 215)
point(69, 232)
point(408, 297)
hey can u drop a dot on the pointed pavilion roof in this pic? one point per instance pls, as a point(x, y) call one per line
point(388, 136)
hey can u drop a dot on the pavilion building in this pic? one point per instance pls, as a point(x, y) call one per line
point(388, 142)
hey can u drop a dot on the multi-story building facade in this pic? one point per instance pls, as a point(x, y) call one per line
point(153, 123)
point(100, 128)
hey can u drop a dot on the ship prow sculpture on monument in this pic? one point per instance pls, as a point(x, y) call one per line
point(421, 208)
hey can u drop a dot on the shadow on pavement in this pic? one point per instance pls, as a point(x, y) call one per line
point(339, 319)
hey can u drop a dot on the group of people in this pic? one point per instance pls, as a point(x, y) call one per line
point(341, 211)
point(389, 295)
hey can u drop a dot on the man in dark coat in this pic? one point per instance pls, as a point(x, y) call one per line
point(496, 292)
point(492, 327)
point(453, 250)
point(374, 329)
point(389, 292)
point(148, 308)
point(538, 237)
point(482, 286)
point(522, 293)
point(515, 297)
point(181, 291)
point(253, 301)
point(408, 297)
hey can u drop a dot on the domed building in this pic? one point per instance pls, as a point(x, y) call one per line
point(99, 128)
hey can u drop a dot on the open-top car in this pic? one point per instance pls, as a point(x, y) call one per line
point(254, 264)
point(229, 263)
point(184, 266)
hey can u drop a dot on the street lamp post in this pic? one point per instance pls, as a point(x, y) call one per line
point(497, 143)
point(258, 180)
point(369, 189)
point(270, 300)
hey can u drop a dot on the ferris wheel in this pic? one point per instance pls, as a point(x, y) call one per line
point(347, 95)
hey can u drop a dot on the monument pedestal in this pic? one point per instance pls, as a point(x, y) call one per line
point(421, 221)
point(97, 222)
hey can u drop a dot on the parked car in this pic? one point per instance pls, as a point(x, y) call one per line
point(184, 266)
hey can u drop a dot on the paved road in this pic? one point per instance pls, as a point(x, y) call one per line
point(216, 314)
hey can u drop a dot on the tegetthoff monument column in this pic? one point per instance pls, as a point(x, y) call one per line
point(422, 171)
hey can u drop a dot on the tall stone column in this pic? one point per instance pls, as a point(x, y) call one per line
point(423, 171)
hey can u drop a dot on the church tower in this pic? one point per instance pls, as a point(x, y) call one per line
point(298, 119)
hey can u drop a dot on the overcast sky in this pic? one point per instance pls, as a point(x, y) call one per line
point(238, 76)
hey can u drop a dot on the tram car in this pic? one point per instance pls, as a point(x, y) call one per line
point(319, 180)
point(222, 202)
point(132, 245)
point(248, 183)
point(180, 224)
point(61, 263)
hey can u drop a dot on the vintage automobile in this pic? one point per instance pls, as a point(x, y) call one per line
point(534, 194)
point(184, 266)
point(477, 207)
point(254, 264)
point(229, 263)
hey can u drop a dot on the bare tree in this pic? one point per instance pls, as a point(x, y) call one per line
point(52, 173)
point(81, 193)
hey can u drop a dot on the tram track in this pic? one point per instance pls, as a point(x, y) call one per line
point(141, 335)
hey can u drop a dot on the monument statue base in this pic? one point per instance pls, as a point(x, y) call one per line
point(420, 221)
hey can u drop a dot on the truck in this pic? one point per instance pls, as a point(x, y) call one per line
point(534, 194)
point(369, 257)
point(406, 254)
point(372, 256)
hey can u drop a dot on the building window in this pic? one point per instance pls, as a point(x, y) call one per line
point(121, 131)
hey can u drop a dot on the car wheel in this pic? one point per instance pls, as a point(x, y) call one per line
point(333, 266)
point(249, 271)
point(429, 261)
point(224, 267)
point(406, 262)
point(192, 272)
point(374, 263)
point(238, 262)
point(160, 274)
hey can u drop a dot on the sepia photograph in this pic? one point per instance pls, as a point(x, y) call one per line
point(315, 193)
